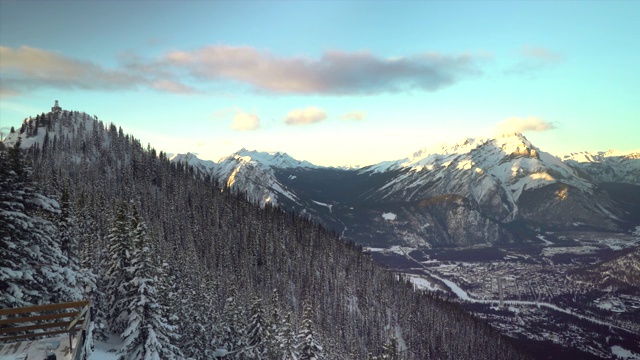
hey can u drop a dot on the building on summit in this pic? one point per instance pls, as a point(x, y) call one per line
point(56, 107)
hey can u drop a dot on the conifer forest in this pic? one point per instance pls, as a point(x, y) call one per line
point(180, 267)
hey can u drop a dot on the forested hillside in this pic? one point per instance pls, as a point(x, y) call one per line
point(180, 268)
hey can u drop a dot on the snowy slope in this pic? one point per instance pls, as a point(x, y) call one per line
point(608, 166)
point(493, 172)
point(252, 172)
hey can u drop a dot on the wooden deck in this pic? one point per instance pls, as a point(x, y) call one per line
point(38, 349)
point(35, 332)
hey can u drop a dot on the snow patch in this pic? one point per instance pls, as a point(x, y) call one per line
point(389, 216)
point(421, 283)
point(622, 353)
point(329, 206)
point(547, 242)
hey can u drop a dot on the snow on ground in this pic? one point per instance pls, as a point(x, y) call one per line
point(323, 204)
point(401, 250)
point(396, 249)
point(38, 349)
point(455, 288)
point(421, 283)
point(106, 350)
point(623, 353)
point(569, 250)
point(547, 242)
point(389, 216)
point(372, 249)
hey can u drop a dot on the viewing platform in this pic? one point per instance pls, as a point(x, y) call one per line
point(45, 332)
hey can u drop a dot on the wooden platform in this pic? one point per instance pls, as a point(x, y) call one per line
point(37, 349)
point(34, 332)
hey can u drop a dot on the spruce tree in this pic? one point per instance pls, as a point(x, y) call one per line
point(308, 345)
point(32, 266)
point(117, 274)
point(146, 335)
point(287, 348)
point(258, 331)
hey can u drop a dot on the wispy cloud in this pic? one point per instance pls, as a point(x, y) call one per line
point(520, 125)
point(305, 116)
point(335, 72)
point(534, 58)
point(354, 115)
point(26, 68)
point(332, 73)
point(174, 87)
point(243, 121)
point(541, 54)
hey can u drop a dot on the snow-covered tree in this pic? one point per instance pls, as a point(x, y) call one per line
point(258, 330)
point(390, 350)
point(232, 326)
point(117, 275)
point(31, 263)
point(287, 349)
point(308, 345)
point(146, 335)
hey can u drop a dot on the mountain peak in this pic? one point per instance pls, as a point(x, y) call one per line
point(273, 159)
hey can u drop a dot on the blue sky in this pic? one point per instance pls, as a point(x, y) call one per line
point(331, 82)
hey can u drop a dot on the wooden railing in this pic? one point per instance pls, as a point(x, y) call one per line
point(45, 320)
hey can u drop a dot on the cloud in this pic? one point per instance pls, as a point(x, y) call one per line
point(6, 91)
point(306, 116)
point(354, 115)
point(541, 54)
point(334, 73)
point(520, 125)
point(534, 58)
point(26, 68)
point(243, 121)
point(174, 87)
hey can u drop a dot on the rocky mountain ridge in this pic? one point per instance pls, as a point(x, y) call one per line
point(479, 191)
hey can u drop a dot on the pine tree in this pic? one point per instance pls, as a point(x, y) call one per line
point(390, 351)
point(31, 262)
point(117, 274)
point(275, 318)
point(258, 330)
point(146, 335)
point(286, 340)
point(308, 345)
point(233, 326)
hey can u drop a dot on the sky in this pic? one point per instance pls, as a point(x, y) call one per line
point(332, 82)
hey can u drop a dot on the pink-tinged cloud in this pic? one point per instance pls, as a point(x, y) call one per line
point(541, 54)
point(243, 121)
point(6, 91)
point(173, 87)
point(354, 115)
point(27, 68)
point(305, 116)
point(521, 125)
point(534, 58)
point(335, 72)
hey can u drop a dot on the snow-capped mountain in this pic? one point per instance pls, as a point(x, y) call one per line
point(491, 172)
point(608, 166)
point(485, 190)
point(251, 172)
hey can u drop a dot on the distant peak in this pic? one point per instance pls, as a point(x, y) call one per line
point(275, 159)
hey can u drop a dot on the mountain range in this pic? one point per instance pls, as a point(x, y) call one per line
point(497, 190)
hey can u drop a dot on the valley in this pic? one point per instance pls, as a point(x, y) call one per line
point(545, 248)
point(534, 293)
